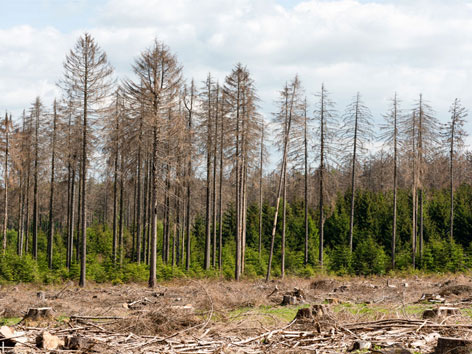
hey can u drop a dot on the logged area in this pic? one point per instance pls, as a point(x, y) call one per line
point(323, 315)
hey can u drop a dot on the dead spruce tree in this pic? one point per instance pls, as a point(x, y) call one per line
point(7, 124)
point(51, 190)
point(326, 151)
point(36, 118)
point(88, 79)
point(241, 106)
point(286, 116)
point(390, 136)
point(420, 129)
point(357, 131)
point(453, 135)
point(189, 97)
point(157, 85)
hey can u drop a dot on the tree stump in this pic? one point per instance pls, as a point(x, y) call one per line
point(453, 346)
point(289, 300)
point(441, 312)
point(304, 314)
point(320, 311)
point(37, 316)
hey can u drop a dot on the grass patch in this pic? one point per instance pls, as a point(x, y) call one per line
point(373, 311)
point(282, 313)
point(9, 321)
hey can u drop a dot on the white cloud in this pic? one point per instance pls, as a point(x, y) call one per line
point(376, 48)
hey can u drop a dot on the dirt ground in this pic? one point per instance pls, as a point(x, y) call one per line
point(374, 315)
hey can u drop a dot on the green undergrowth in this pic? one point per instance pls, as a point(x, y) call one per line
point(9, 321)
point(278, 313)
point(374, 311)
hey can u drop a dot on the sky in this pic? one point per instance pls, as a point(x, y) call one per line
point(374, 47)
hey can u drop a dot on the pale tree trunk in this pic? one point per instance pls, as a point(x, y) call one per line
point(305, 143)
point(220, 196)
point(121, 215)
point(83, 258)
point(284, 224)
point(5, 195)
point(261, 162)
point(353, 177)
point(451, 177)
point(395, 182)
point(153, 243)
point(287, 126)
point(213, 200)
point(237, 268)
point(51, 196)
point(35, 186)
point(208, 182)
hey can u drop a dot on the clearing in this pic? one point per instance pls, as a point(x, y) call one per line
point(378, 315)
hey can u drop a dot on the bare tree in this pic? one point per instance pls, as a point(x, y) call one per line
point(325, 115)
point(453, 134)
point(288, 100)
point(6, 127)
point(158, 86)
point(358, 132)
point(51, 192)
point(391, 136)
point(87, 76)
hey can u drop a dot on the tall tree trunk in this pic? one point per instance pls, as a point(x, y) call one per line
point(321, 171)
point(213, 200)
point(220, 192)
point(138, 209)
point(35, 187)
point(21, 206)
point(284, 225)
point(261, 163)
point(353, 177)
point(121, 215)
point(70, 249)
point(5, 195)
point(451, 177)
point(51, 196)
point(155, 181)
point(305, 143)
point(145, 210)
point(237, 266)
point(395, 182)
point(83, 258)
point(79, 214)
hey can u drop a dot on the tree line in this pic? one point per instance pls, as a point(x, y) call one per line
point(168, 167)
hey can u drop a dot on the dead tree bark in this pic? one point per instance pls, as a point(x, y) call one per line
point(51, 196)
point(5, 195)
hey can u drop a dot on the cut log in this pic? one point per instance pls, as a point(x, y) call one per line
point(453, 346)
point(49, 342)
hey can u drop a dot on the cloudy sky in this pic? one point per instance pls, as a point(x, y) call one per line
point(376, 47)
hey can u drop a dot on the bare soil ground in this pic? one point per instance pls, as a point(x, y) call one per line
point(210, 316)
